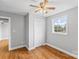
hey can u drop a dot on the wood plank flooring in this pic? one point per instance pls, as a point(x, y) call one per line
point(42, 52)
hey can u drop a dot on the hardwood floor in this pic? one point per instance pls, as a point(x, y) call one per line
point(42, 52)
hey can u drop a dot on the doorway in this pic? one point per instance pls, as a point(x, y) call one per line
point(5, 32)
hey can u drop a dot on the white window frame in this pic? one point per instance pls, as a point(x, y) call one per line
point(60, 32)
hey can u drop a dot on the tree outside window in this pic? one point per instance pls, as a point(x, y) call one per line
point(60, 25)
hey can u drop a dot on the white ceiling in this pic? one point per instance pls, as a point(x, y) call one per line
point(22, 6)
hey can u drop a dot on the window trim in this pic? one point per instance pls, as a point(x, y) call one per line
point(60, 32)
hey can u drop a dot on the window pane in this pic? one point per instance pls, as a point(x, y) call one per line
point(60, 24)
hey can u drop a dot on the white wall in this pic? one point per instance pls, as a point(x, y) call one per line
point(67, 42)
point(17, 28)
point(26, 30)
point(34, 30)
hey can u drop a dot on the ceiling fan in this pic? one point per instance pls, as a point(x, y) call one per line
point(43, 7)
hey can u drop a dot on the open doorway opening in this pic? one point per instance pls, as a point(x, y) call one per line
point(4, 32)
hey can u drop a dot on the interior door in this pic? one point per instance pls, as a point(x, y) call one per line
point(39, 32)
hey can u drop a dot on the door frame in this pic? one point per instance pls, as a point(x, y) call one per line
point(9, 18)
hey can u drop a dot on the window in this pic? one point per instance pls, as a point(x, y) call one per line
point(60, 25)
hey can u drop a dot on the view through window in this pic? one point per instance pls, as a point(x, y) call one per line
point(60, 25)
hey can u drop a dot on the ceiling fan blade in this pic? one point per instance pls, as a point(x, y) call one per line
point(45, 1)
point(33, 6)
point(51, 8)
point(37, 10)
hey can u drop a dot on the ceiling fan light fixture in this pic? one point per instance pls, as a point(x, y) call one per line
point(43, 7)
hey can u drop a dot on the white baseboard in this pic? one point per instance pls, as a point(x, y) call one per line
point(27, 48)
point(21, 46)
point(13, 48)
point(3, 39)
point(48, 45)
point(31, 48)
point(62, 50)
point(35, 47)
